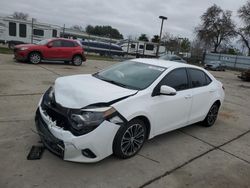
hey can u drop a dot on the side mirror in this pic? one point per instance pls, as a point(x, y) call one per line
point(50, 45)
point(166, 90)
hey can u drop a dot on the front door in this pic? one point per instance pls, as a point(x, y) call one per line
point(54, 51)
point(172, 112)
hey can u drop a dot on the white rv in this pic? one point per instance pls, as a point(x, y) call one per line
point(141, 48)
point(15, 31)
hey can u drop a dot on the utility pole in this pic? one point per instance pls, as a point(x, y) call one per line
point(162, 20)
point(63, 30)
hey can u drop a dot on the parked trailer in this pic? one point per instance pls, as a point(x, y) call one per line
point(141, 48)
point(15, 31)
point(102, 48)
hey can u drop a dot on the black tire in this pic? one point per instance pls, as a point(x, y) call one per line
point(129, 139)
point(77, 60)
point(35, 57)
point(211, 115)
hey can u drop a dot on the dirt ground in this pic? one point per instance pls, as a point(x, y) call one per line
point(190, 157)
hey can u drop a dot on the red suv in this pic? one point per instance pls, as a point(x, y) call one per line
point(51, 49)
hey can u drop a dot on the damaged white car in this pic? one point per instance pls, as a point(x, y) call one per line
point(85, 118)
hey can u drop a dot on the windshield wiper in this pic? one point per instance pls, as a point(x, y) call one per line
point(114, 82)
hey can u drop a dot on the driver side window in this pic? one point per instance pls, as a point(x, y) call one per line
point(176, 79)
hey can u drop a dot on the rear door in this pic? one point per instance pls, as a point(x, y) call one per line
point(68, 48)
point(202, 94)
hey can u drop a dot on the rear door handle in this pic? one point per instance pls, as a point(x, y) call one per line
point(188, 96)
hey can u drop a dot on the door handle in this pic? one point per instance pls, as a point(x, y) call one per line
point(188, 96)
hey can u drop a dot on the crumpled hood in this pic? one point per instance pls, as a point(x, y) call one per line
point(79, 91)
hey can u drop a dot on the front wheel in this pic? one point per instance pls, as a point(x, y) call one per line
point(129, 139)
point(77, 60)
point(211, 116)
point(35, 58)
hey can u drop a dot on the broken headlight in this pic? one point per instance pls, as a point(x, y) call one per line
point(87, 120)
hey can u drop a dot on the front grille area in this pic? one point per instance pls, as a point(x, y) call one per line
point(52, 143)
point(55, 112)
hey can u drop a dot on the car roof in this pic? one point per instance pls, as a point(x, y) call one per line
point(72, 40)
point(163, 63)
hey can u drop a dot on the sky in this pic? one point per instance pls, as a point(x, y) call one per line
point(130, 17)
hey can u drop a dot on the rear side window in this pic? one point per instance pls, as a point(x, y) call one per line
point(150, 47)
point(66, 43)
point(132, 46)
point(198, 78)
point(22, 30)
point(208, 79)
point(12, 29)
point(175, 58)
point(54, 33)
point(38, 32)
point(176, 79)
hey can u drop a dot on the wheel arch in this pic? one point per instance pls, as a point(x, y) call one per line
point(218, 102)
point(77, 54)
point(146, 122)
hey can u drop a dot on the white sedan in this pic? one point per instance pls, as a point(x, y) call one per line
point(85, 118)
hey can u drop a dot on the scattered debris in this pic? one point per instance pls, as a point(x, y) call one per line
point(35, 153)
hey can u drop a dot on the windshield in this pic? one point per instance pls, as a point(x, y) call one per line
point(131, 74)
point(165, 57)
point(43, 42)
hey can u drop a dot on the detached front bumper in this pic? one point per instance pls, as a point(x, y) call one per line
point(91, 147)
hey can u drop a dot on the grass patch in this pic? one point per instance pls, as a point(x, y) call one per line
point(4, 50)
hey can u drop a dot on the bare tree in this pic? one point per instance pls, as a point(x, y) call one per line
point(77, 27)
point(20, 15)
point(244, 31)
point(175, 43)
point(216, 27)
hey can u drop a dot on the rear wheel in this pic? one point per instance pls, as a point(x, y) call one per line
point(35, 57)
point(77, 60)
point(211, 116)
point(129, 139)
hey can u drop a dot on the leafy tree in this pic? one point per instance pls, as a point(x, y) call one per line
point(216, 27)
point(244, 31)
point(105, 31)
point(20, 15)
point(155, 39)
point(143, 37)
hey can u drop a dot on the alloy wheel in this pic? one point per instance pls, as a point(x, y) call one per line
point(35, 58)
point(212, 114)
point(77, 60)
point(132, 139)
